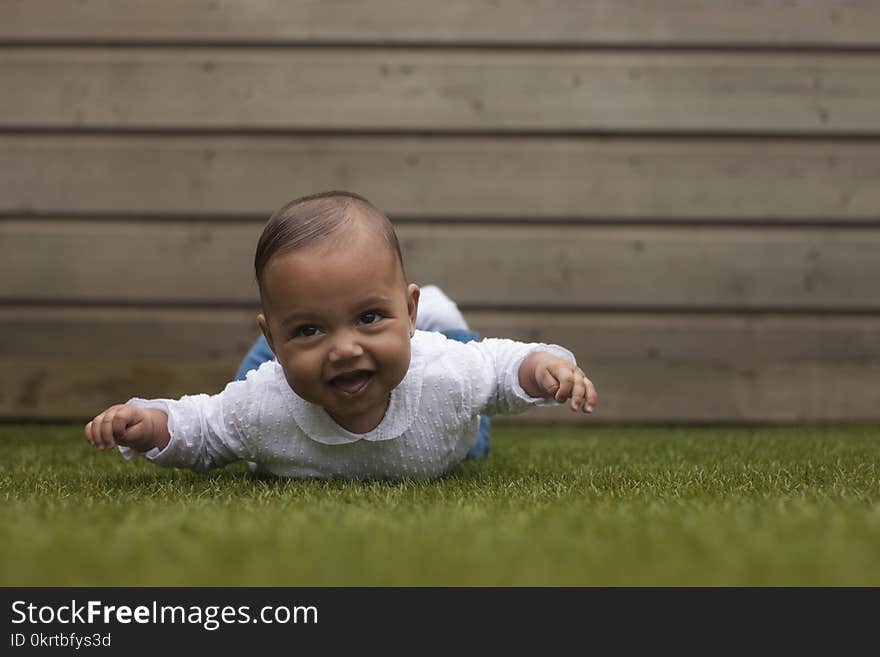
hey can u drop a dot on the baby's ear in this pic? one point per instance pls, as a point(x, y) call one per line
point(264, 327)
point(412, 306)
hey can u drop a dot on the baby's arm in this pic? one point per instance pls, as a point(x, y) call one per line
point(506, 377)
point(199, 432)
point(141, 429)
point(544, 375)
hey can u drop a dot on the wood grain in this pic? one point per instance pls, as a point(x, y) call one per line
point(695, 268)
point(765, 23)
point(531, 179)
point(684, 192)
point(439, 90)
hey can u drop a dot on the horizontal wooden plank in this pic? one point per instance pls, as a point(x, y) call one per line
point(437, 90)
point(480, 265)
point(684, 368)
point(585, 22)
point(71, 363)
point(529, 178)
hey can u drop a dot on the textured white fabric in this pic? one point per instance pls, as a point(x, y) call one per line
point(431, 421)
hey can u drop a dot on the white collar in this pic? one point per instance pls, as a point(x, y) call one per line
point(403, 407)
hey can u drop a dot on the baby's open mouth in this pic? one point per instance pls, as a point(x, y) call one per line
point(352, 383)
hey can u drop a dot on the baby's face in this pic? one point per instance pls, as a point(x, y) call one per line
point(339, 316)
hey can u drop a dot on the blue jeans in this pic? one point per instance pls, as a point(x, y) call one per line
point(260, 352)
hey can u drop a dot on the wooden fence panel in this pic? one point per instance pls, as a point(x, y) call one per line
point(684, 192)
point(531, 179)
point(480, 266)
point(674, 23)
point(439, 90)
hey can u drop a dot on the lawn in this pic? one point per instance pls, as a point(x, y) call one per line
point(551, 506)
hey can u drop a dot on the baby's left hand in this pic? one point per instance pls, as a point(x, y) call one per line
point(559, 379)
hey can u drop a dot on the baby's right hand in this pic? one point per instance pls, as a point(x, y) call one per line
point(127, 425)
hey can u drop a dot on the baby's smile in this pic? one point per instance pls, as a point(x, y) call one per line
point(352, 384)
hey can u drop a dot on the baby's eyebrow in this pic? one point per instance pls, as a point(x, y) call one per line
point(296, 317)
point(305, 317)
point(374, 301)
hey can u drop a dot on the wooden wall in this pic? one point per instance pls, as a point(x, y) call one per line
point(684, 192)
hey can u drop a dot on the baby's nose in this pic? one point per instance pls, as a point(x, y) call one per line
point(344, 348)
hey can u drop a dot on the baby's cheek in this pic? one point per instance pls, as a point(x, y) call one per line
point(299, 381)
point(398, 362)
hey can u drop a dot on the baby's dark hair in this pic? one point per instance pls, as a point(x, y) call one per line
point(312, 219)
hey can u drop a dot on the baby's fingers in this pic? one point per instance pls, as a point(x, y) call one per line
point(95, 431)
point(566, 384)
point(120, 426)
point(108, 427)
point(592, 395)
point(91, 430)
point(547, 381)
point(578, 392)
point(105, 429)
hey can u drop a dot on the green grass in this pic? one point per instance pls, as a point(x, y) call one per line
point(551, 506)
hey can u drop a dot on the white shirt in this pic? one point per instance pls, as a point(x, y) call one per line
point(430, 425)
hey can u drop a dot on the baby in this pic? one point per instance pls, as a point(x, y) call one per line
point(354, 391)
point(437, 312)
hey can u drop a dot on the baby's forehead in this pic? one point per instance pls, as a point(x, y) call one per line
point(333, 283)
point(366, 230)
point(349, 257)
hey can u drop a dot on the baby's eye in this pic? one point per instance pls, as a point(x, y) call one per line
point(371, 317)
point(306, 331)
